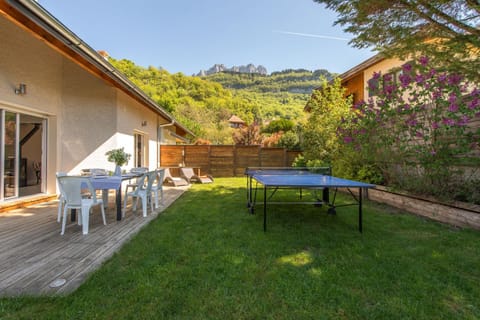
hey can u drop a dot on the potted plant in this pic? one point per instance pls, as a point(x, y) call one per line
point(119, 157)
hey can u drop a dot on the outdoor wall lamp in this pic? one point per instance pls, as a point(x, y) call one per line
point(21, 89)
point(144, 123)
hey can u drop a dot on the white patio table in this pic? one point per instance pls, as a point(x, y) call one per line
point(106, 183)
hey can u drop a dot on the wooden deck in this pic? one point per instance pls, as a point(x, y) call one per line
point(33, 254)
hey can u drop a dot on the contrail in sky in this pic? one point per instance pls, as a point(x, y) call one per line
point(311, 35)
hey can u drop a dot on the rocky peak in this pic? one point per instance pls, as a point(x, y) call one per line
point(249, 68)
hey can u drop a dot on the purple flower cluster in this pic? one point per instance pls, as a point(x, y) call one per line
point(411, 122)
point(448, 122)
point(424, 104)
point(407, 68)
point(454, 79)
point(453, 107)
point(419, 78)
point(405, 80)
point(423, 60)
point(463, 121)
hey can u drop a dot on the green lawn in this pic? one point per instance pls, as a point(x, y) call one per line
point(206, 258)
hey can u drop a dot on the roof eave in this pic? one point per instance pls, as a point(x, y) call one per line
point(44, 20)
point(361, 67)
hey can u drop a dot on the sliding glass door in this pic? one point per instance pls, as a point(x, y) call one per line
point(21, 146)
point(10, 151)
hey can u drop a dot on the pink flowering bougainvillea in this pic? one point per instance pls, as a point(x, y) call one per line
point(417, 128)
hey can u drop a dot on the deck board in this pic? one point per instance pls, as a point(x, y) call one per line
point(33, 253)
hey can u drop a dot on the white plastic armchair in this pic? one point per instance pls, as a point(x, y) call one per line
point(134, 182)
point(94, 172)
point(139, 170)
point(71, 188)
point(61, 198)
point(142, 190)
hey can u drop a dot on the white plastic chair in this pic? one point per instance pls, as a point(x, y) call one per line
point(71, 188)
point(142, 190)
point(61, 199)
point(158, 187)
point(94, 172)
point(137, 170)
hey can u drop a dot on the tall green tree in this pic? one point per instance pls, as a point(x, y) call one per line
point(328, 107)
point(448, 31)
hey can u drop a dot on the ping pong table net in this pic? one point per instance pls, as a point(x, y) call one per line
point(289, 170)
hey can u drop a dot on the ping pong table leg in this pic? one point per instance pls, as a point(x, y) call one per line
point(326, 195)
point(264, 208)
point(248, 193)
point(360, 210)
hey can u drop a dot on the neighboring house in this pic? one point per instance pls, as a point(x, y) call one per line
point(236, 122)
point(62, 106)
point(355, 80)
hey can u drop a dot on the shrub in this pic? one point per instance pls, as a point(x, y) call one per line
point(327, 108)
point(416, 130)
point(289, 140)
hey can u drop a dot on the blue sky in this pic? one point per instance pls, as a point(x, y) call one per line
point(190, 35)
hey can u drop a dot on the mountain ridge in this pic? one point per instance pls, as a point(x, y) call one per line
point(219, 67)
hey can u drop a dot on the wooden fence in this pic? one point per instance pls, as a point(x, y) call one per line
point(224, 160)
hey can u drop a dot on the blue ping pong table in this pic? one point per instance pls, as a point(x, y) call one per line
point(315, 179)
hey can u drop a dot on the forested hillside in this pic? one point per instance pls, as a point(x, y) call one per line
point(205, 104)
point(290, 80)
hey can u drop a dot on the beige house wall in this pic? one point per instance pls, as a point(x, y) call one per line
point(24, 59)
point(166, 137)
point(87, 120)
point(134, 118)
point(86, 116)
point(383, 66)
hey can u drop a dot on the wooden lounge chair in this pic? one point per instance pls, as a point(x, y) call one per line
point(174, 181)
point(190, 176)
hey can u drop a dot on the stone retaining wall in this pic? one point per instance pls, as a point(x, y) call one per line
point(457, 214)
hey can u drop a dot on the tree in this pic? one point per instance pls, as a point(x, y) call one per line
point(328, 107)
point(279, 125)
point(421, 131)
point(247, 136)
point(289, 140)
point(447, 31)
